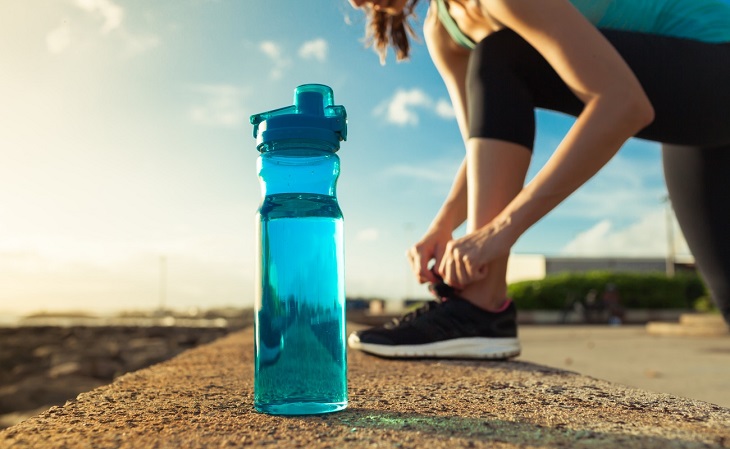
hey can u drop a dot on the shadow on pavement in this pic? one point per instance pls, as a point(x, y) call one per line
point(498, 431)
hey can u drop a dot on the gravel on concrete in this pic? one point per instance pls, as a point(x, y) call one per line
point(203, 398)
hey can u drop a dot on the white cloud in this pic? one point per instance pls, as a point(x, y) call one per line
point(111, 13)
point(314, 49)
point(59, 38)
point(645, 237)
point(276, 54)
point(270, 49)
point(222, 106)
point(368, 235)
point(401, 109)
point(111, 17)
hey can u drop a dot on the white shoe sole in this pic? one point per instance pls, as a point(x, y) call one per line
point(457, 348)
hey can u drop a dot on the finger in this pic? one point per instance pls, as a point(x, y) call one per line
point(435, 272)
point(461, 270)
point(448, 270)
point(443, 267)
point(427, 274)
point(439, 255)
point(414, 263)
point(424, 273)
point(419, 265)
point(470, 271)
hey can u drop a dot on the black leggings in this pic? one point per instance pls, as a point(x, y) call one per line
point(688, 84)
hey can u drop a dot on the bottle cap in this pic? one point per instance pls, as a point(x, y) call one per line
point(313, 116)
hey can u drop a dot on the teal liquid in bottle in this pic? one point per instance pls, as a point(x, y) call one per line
point(300, 352)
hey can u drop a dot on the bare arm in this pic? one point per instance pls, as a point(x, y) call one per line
point(451, 62)
point(616, 108)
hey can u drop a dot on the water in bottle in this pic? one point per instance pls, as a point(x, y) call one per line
point(300, 353)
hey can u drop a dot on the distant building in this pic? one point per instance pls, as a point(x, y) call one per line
point(527, 267)
point(365, 305)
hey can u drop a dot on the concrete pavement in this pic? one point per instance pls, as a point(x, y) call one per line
point(692, 367)
point(203, 399)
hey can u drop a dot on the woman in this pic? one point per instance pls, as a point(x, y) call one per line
point(657, 69)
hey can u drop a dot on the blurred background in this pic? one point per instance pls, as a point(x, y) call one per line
point(127, 164)
point(128, 191)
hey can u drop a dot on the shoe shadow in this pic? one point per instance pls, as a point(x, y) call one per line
point(512, 364)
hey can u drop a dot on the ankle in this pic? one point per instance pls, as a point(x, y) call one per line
point(490, 303)
point(495, 306)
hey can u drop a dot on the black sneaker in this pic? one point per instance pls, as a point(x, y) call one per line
point(449, 328)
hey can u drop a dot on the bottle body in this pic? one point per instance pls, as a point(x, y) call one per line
point(300, 352)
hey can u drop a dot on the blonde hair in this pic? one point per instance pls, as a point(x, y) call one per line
point(384, 30)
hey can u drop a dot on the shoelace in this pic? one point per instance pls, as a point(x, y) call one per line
point(410, 316)
point(441, 290)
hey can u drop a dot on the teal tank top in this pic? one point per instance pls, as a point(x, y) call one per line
point(703, 20)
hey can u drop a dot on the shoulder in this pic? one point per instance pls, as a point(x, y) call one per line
point(441, 45)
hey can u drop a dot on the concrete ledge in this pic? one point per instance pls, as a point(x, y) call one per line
point(203, 399)
point(630, 316)
point(691, 325)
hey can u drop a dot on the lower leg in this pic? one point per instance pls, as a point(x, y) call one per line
point(697, 183)
point(495, 174)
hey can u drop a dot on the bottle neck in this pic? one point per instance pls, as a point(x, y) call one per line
point(298, 167)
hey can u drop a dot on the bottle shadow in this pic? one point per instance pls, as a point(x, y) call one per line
point(488, 429)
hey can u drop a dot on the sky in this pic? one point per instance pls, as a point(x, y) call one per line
point(125, 147)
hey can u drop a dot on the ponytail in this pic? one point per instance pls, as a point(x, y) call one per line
point(384, 30)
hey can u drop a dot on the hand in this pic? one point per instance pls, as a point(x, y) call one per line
point(465, 260)
point(430, 247)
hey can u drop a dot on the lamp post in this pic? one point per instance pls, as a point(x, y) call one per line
point(671, 252)
point(163, 282)
point(409, 276)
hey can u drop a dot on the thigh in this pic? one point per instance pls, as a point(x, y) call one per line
point(687, 82)
point(506, 80)
point(499, 106)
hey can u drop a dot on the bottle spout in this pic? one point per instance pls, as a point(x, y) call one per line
point(312, 102)
point(313, 115)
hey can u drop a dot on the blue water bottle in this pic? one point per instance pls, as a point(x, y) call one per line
point(300, 359)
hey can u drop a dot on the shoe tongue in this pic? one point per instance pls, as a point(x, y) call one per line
point(442, 290)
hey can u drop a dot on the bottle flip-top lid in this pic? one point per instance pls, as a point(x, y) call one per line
point(312, 116)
